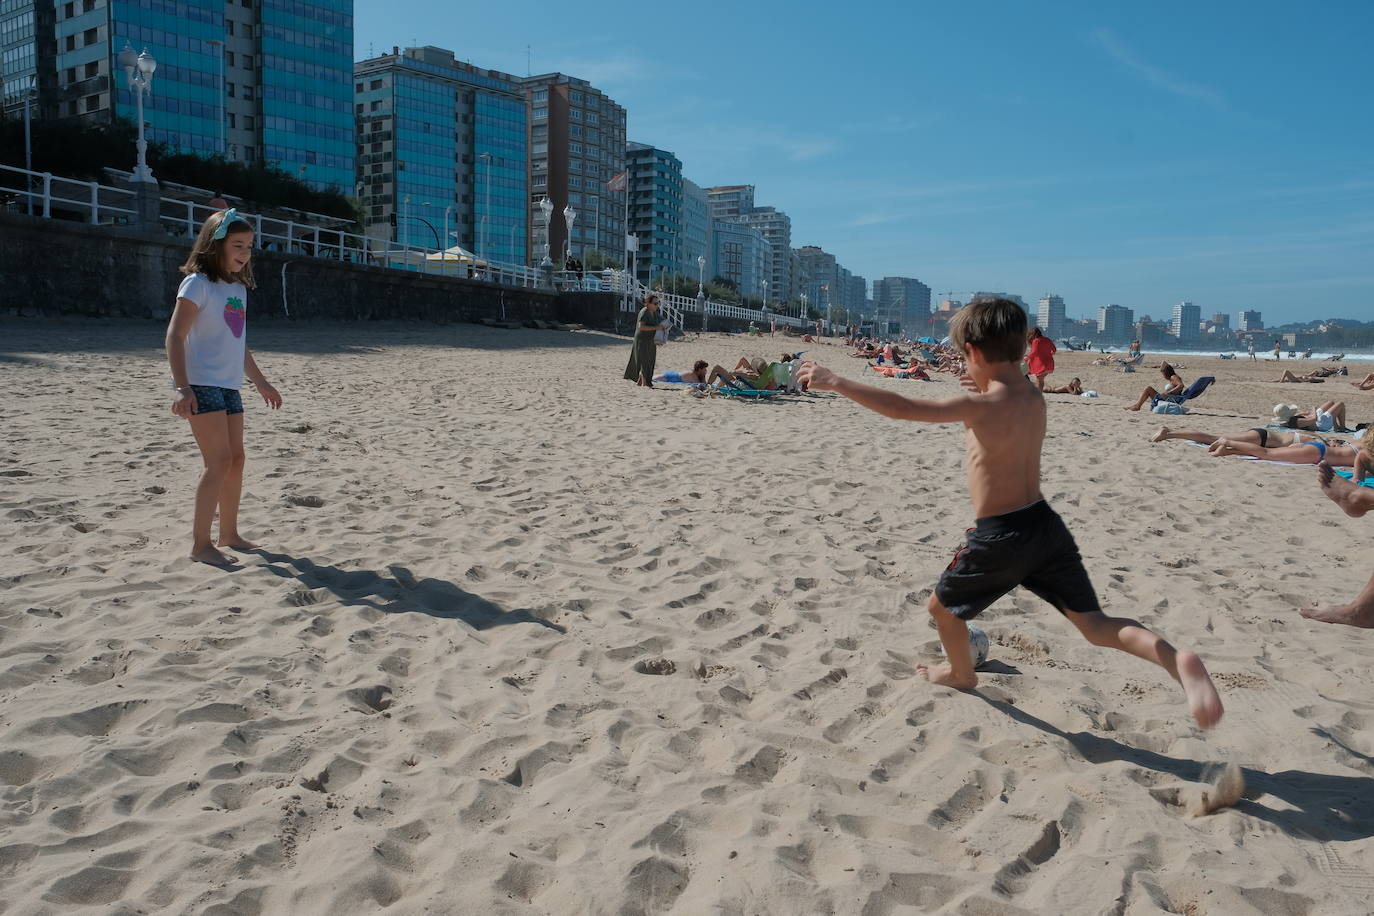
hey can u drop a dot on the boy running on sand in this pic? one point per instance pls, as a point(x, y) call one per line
point(1017, 539)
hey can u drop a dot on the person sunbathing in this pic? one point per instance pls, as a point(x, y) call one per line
point(1175, 386)
point(1326, 418)
point(1318, 375)
point(1365, 383)
point(1311, 452)
point(912, 370)
point(1073, 387)
point(697, 375)
point(1259, 435)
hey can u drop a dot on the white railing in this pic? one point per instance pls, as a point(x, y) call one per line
point(50, 196)
point(43, 193)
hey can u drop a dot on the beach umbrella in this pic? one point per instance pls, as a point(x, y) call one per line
point(929, 340)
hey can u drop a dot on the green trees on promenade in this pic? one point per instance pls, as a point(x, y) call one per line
point(75, 150)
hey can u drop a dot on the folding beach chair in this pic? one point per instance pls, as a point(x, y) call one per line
point(1192, 391)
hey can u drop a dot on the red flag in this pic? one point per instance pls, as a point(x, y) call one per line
point(619, 182)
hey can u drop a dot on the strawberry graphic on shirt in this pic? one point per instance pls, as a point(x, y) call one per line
point(235, 315)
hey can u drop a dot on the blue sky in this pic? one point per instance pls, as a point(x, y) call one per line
point(1220, 152)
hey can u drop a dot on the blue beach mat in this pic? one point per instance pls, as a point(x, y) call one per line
point(1350, 475)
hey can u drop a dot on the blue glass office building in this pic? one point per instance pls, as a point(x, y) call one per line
point(306, 59)
point(442, 148)
point(252, 80)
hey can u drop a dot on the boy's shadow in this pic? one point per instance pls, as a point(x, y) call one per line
point(1325, 806)
point(399, 593)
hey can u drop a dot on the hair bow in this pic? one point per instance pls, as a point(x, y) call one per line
point(223, 228)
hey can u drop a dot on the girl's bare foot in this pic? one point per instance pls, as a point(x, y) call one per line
point(1203, 701)
point(1352, 615)
point(943, 675)
point(237, 542)
point(1134, 407)
point(208, 554)
point(1161, 435)
point(1219, 449)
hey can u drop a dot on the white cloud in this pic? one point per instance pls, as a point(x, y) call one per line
point(1157, 76)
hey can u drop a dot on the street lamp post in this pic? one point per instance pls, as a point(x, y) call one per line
point(569, 215)
point(701, 291)
point(765, 294)
point(486, 206)
point(215, 42)
point(140, 82)
point(447, 211)
point(405, 215)
point(546, 206)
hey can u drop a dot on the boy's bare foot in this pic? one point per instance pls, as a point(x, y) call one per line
point(208, 554)
point(943, 675)
point(1160, 435)
point(237, 542)
point(1339, 490)
point(1352, 615)
point(1203, 701)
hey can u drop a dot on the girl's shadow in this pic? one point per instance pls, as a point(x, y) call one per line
point(399, 593)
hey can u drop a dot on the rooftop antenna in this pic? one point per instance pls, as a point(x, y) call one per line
point(529, 61)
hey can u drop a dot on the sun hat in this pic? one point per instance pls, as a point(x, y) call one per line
point(1284, 412)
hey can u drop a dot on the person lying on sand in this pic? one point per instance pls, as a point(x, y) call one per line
point(1320, 374)
point(1354, 501)
point(1365, 383)
point(1259, 435)
point(1073, 387)
point(913, 370)
point(1299, 453)
point(697, 375)
point(1328, 417)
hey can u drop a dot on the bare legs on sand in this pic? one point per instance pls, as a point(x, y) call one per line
point(220, 437)
point(1100, 630)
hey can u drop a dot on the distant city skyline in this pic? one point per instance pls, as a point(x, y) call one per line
point(1104, 155)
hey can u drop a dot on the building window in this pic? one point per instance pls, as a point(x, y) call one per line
point(229, 28)
point(540, 95)
point(69, 11)
point(92, 102)
point(248, 62)
point(229, 90)
point(575, 114)
point(71, 46)
point(231, 120)
point(358, 87)
point(248, 92)
point(90, 36)
point(229, 58)
point(249, 154)
point(575, 98)
point(87, 6)
point(574, 130)
point(376, 106)
point(375, 84)
point(359, 107)
point(248, 122)
point(539, 114)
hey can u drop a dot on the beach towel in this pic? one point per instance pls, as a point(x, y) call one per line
point(1350, 475)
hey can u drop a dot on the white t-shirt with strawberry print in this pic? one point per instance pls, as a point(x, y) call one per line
point(217, 343)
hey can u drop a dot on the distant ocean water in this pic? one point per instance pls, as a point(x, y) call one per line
point(1317, 355)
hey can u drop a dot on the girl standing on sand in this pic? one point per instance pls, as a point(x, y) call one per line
point(208, 355)
point(1040, 363)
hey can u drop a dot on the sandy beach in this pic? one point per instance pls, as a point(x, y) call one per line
point(523, 638)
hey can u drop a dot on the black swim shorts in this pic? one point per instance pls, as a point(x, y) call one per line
point(211, 399)
point(1030, 547)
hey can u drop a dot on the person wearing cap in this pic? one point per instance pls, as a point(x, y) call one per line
point(1326, 418)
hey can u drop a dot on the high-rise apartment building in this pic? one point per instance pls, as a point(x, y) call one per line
point(776, 227)
point(696, 232)
point(1221, 321)
point(655, 210)
point(1115, 323)
point(818, 278)
point(442, 151)
point(259, 81)
point(1251, 321)
point(742, 256)
point(730, 201)
point(1187, 323)
point(903, 301)
point(577, 146)
point(1050, 316)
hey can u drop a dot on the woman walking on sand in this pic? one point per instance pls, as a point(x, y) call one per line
point(1040, 363)
point(643, 353)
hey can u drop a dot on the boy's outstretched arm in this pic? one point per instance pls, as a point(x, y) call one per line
point(888, 403)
